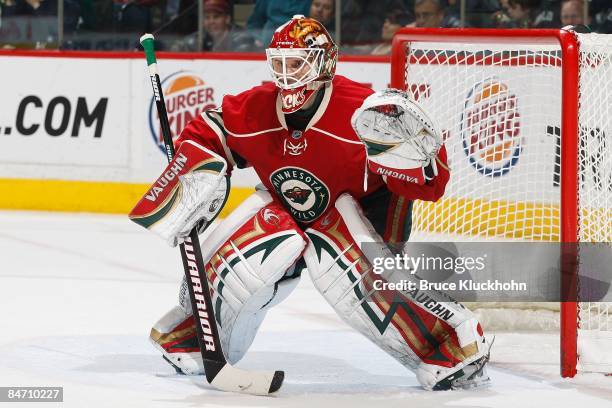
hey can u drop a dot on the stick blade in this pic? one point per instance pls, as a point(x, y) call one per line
point(234, 379)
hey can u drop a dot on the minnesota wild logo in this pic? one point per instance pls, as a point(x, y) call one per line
point(297, 195)
point(304, 195)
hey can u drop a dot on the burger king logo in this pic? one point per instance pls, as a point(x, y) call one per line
point(490, 128)
point(186, 95)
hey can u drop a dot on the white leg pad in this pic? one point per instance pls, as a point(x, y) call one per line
point(246, 258)
point(410, 330)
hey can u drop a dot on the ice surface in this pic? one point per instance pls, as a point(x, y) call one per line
point(79, 293)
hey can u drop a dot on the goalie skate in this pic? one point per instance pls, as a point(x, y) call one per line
point(473, 376)
point(174, 335)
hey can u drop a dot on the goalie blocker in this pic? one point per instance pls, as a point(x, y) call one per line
point(193, 187)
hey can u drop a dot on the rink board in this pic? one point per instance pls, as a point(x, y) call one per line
point(80, 132)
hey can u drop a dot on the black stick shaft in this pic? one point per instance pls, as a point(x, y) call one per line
point(191, 254)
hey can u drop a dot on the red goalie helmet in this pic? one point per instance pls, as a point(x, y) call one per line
point(301, 56)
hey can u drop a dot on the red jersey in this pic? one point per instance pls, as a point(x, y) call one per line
point(305, 170)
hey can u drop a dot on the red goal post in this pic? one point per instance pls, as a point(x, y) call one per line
point(424, 58)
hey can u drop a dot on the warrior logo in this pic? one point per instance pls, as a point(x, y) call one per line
point(303, 194)
point(155, 88)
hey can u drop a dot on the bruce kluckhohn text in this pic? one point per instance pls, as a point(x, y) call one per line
point(463, 284)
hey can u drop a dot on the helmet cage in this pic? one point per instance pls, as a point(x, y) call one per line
point(310, 69)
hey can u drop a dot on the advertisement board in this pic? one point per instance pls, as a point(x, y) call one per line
point(60, 111)
point(79, 126)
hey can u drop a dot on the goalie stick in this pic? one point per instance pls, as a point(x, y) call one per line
point(219, 373)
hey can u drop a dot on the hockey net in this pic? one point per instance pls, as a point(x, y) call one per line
point(503, 100)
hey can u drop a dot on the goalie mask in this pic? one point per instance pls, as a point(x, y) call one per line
point(301, 57)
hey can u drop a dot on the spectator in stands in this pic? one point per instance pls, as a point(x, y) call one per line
point(220, 34)
point(526, 14)
point(520, 12)
point(453, 6)
point(479, 13)
point(268, 15)
point(547, 15)
point(572, 13)
point(133, 15)
point(602, 16)
point(9, 31)
point(395, 20)
point(44, 8)
point(8, 8)
point(324, 12)
point(37, 7)
point(181, 16)
point(362, 21)
point(430, 13)
point(501, 18)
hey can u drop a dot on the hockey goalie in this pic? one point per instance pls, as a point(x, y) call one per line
point(340, 167)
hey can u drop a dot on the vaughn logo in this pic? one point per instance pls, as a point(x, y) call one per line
point(392, 173)
point(167, 177)
point(432, 305)
point(187, 95)
point(303, 194)
point(490, 128)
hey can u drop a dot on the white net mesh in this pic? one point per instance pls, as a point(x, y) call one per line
point(595, 186)
point(499, 108)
